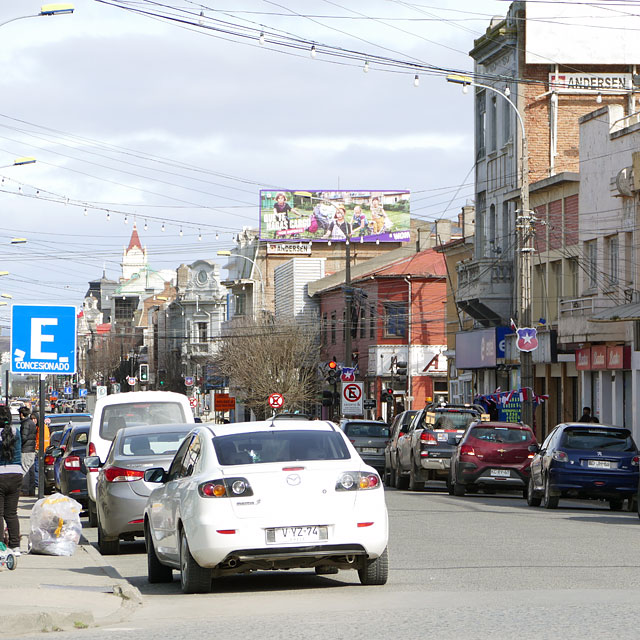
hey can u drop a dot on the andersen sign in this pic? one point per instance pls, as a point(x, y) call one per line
point(588, 83)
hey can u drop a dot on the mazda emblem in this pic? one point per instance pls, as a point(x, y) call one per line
point(294, 480)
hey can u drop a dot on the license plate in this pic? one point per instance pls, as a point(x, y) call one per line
point(311, 533)
point(502, 473)
point(369, 450)
point(599, 464)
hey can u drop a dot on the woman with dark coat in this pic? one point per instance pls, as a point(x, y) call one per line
point(10, 477)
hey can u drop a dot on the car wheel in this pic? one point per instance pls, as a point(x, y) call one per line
point(472, 488)
point(532, 499)
point(156, 571)
point(616, 505)
point(450, 483)
point(402, 482)
point(106, 546)
point(414, 485)
point(392, 477)
point(375, 571)
point(93, 514)
point(549, 502)
point(459, 489)
point(193, 578)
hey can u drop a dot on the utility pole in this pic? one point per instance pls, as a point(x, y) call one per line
point(348, 303)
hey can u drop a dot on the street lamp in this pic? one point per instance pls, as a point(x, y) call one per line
point(18, 162)
point(4, 273)
point(6, 295)
point(45, 10)
point(228, 254)
point(525, 247)
point(18, 240)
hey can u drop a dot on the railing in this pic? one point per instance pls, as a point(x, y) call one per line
point(586, 306)
point(484, 270)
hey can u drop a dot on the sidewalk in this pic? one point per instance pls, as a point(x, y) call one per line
point(51, 593)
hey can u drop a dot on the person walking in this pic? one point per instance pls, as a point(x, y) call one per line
point(586, 416)
point(28, 432)
point(10, 477)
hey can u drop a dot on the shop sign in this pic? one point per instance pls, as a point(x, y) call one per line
point(298, 248)
point(590, 82)
point(619, 357)
point(476, 349)
point(583, 359)
point(599, 357)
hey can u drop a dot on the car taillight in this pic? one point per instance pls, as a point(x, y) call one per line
point(357, 480)
point(92, 449)
point(428, 438)
point(560, 456)
point(49, 459)
point(72, 462)
point(401, 434)
point(118, 474)
point(467, 450)
point(225, 488)
point(635, 461)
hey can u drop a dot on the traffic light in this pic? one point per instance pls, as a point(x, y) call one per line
point(401, 373)
point(333, 373)
point(327, 398)
point(387, 395)
point(143, 375)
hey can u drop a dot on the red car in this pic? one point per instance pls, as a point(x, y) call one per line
point(492, 456)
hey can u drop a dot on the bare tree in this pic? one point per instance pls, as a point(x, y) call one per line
point(106, 354)
point(261, 357)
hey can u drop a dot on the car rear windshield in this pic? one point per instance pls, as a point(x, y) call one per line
point(501, 434)
point(280, 446)
point(594, 438)
point(118, 416)
point(454, 419)
point(156, 444)
point(366, 430)
point(80, 438)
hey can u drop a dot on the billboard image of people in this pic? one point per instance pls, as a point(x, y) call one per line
point(323, 216)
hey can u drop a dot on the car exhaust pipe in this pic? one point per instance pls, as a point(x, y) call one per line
point(232, 563)
point(351, 559)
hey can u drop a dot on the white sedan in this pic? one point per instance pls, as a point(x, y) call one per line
point(265, 495)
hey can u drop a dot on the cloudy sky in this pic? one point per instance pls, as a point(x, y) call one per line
point(182, 122)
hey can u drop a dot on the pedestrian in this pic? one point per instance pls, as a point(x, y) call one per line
point(28, 432)
point(586, 416)
point(10, 477)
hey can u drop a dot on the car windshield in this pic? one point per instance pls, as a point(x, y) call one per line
point(454, 419)
point(594, 438)
point(366, 430)
point(80, 438)
point(152, 444)
point(500, 434)
point(280, 446)
point(118, 416)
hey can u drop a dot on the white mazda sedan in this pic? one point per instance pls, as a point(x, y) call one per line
point(252, 496)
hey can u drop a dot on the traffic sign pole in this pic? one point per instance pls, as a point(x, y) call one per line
point(43, 380)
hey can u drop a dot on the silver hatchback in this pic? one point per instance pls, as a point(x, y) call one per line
point(369, 437)
point(121, 490)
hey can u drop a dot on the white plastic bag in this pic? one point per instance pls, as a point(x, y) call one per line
point(55, 526)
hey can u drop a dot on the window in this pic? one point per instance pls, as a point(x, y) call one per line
point(344, 325)
point(613, 249)
point(596, 438)
point(505, 239)
point(153, 444)
point(492, 228)
point(325, 328)
point(175, 470)
point(372, 322)
point(591, 251)
point(481, 205)
point(333, 327)
point(133, 414)
point(240, 307)
point(363, 328)
point(200, 332)
point(395, 320)
point(493, 124)
point(481, 123)
point(573, 278)
point(506, 122)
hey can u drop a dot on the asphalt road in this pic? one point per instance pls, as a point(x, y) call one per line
point(480, 566)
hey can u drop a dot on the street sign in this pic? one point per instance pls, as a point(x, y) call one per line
point(193, 402)
point(82, 393)
point(54, 394)
point(188, 381)
point(276, 401)
point(68, 390)
point(223, 402)
point(43, 339)
point(101, 391)
point(115, 387)
point(369, 403)
point(352, 393)
point(131, 380)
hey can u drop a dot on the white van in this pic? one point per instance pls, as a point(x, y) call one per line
point(120, 410)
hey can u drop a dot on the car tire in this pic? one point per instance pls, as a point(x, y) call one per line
point(549, 501)
point(617, 504)
point(402, 482)
point(532, 499)
point(472, 488)
point(392, 477)
point(93, 513)
point(459, 489)
point(193, 577)
point(375, 572)
point(107, 547)
point(156, 571)
point(414, 485)
point(450, 483)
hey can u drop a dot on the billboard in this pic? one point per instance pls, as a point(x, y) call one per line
point(334, 216)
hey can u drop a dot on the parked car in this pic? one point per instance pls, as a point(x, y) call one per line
point(424, 452)
point(582, 460)
point(58, 421)
point(121, 410)
point(369, 438)
point(49, 461)
point(71, 473)
point(492, 456)
point(399, 427)
point(58, 453)
point(265, 495)
point(121, 491)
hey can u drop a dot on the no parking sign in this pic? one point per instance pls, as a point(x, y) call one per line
point(352, 395)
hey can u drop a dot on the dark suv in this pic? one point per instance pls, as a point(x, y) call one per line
point(369, 437)
point(399, 427)
point(424, 452)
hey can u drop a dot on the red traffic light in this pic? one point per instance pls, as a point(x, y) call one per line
point(333, 364)
point(389, 392)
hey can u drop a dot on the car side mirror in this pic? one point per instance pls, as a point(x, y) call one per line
point(155, 474)
point(534, 448)
point(56, 452)
point(92, 462)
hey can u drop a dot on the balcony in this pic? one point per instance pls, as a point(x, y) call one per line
point(575, 324)
point(485, 289)
point(190, 349)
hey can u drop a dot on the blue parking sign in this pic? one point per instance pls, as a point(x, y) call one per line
point(43, 339)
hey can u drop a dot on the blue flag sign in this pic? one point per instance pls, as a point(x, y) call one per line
point(43, 339)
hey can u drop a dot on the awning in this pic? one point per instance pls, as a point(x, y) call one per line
point(621, 313)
